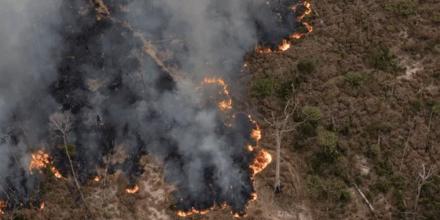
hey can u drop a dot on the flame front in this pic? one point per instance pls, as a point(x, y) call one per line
point(191, 212)
point(2, 207)
point(40, 160)
point(285, 43)
point(223, 105)
point(262, 160)
point(133, 189)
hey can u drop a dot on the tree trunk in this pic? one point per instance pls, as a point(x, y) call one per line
point(78, 186)
point(277, 186)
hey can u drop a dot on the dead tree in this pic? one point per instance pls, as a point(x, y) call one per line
point(281, 125)
point(423, 177)
point(62, 122)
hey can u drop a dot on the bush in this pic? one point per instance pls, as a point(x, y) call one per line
point(354, 79)
point(403, 7)
point(284, 89)
point(262, 88)
point(382, 59)
point(436, 108)
point(306, 66)
point(327, 138)
point(311, 113)
point(328, 189)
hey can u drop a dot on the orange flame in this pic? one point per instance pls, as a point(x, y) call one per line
point(42, 205)
point(132, 190)
point(3, 206)
point(285, 44)
point(191, 212)
point(256, 134)
point(262, 160)
point(97, 179)
point(40, 160)
point(223, 105)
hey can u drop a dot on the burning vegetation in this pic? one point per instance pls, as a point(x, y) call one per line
point(41, 160)
point(117, 87)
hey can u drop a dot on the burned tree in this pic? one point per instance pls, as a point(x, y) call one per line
point(62, 124)
point(281, 124)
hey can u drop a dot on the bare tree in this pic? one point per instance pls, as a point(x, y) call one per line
point(282, 124)
point(423, 177)
point(62, 122)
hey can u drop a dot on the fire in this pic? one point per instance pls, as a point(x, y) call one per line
point(40, 160)
point(256, 134)
point(97, 179)
point(2, 207)
point(223, 105)
point(285, 44)
point(132, 190)
point(191, 212)
point(262, 160)
point(42, 205)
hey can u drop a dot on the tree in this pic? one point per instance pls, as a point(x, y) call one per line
point(282, 124)
point(62, 122)
point(423, 176)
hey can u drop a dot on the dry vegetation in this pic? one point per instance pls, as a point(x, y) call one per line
point(369, 75)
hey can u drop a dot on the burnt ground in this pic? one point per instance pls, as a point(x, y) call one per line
point(370, 76)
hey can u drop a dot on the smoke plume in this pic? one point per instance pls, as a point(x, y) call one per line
point(67, 57)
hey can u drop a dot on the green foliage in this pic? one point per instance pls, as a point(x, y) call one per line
point(327, 139)
point(311, 113)
point(355, 79)
point(436, 108)
point(374, 151)
point(284, 89)
point(306, 66)
point(328, 189)
point(382, 59)
point(403, 7)
point(262, 88)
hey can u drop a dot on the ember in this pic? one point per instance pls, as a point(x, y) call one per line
point(133, 189)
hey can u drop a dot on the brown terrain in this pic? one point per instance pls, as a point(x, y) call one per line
point(366, 137)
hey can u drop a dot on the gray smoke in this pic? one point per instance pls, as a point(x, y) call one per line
point(60, 58)
point(27, 66)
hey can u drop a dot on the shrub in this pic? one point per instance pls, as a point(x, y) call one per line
point(382, 59)
point(403, 7)
point(327, 138)
point(354, 79)
point(436, 108)
point(328, 189)
point(306, 66)
point(262, 88)
point(311, 113)
point(284, 89)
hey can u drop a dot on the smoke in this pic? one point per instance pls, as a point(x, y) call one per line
point(27, 66)
point(62, 59)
